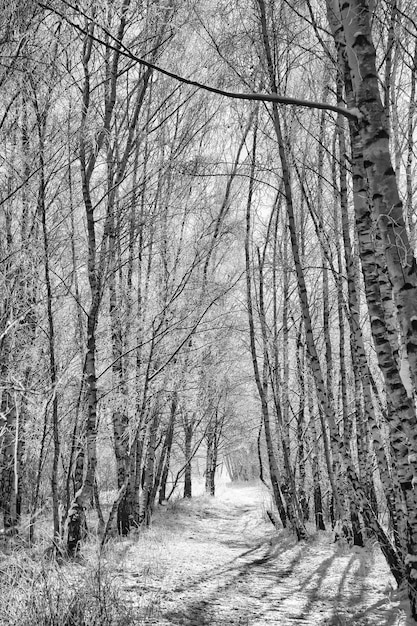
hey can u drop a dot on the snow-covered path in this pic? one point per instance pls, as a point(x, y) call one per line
point(218, 561)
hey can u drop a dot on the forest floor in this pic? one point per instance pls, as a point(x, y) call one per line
point(219, 561)
point(202, 562)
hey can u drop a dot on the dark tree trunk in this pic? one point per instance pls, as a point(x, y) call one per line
point(356, 526)
point(211, 461)
point(318, 508)
point(148, 473)
point(10, 472)
point(168, 446)
point(188, 429)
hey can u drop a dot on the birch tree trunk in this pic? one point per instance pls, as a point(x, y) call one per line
point(213, 437)
point(315, 456)
point(411, 124)
point(148, 475)
point(168, 447)
point(386, 203)
point(188, 424)
point(326, 414)
point(294, 510)
point(369, 138)
point(261, 384)
point(41, 123)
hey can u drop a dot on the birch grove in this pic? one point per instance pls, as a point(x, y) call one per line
point(208, 265)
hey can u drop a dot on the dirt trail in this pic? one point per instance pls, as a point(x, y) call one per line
point(212, 562)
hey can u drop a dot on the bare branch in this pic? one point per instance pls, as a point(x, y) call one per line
point(351, 114)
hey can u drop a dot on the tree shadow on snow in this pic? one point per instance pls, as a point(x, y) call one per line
point(234, 596)
point(255, 585)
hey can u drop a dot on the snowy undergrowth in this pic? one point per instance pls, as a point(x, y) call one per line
point(36, 590)
point(216, 561)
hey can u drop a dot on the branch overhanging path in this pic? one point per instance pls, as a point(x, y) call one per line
point(350, 114)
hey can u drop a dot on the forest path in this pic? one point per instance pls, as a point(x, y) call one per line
point(218, 561)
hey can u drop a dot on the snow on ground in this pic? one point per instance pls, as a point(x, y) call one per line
point(218, 561)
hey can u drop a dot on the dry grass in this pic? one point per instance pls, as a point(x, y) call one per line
point(38, 591)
